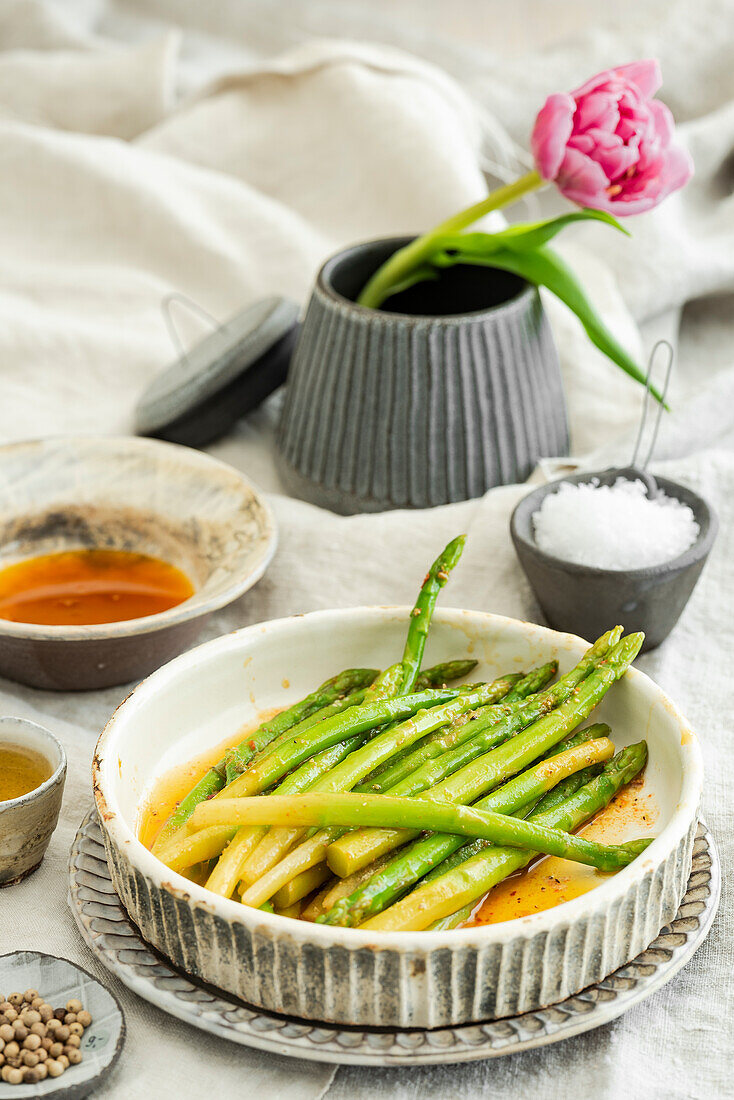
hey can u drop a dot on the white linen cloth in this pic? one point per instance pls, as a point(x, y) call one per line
point(114, 191)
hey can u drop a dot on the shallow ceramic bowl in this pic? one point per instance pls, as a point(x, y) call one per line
point(58, 980)
point(124, 493)
point(27, 822)
point(584, 599)
point(401, 979)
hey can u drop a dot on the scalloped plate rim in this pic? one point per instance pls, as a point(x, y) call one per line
point(551, 1033)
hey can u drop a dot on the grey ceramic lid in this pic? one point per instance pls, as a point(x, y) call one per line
point(200, 396)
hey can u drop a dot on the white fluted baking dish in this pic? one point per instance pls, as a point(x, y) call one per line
point(400, 979)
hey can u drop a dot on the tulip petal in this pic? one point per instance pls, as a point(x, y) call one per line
point(582, 176)
point(664, 122)
point(583, 142)
point(552, 129)
point(594, 83)
point(598, 201)
point(645, 74)
point(678, 168)
point(598, 110)
point(616, 162)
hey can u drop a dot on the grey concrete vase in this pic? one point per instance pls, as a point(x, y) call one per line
point(451, 388)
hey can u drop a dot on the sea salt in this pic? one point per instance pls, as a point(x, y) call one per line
point(613, 526)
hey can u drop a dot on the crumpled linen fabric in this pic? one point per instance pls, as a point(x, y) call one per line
point(174, 146)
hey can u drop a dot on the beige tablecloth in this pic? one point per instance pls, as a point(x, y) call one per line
point(114, 191)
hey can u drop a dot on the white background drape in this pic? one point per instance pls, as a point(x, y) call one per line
point(225, 150)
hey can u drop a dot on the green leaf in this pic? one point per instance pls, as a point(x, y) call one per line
point(420, 275)
point(523, 237)
point(539, 233)
point(545, 268)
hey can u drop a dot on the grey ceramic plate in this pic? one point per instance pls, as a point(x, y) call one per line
point(117, 943)
point(58, 980)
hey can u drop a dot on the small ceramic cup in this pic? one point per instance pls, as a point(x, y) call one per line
point(27, 822)
point(587, 601)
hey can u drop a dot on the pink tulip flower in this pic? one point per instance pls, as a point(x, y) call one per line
point(609, 145)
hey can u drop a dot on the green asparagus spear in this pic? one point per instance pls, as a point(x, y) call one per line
point(339, 808)
point(420, 618)
point(482, 772)
point(435, 744)
point(330, 692)
point(413, 862)
point(444, 673)
point(214, 779)
point(187, 848)
point(238, 760)
point(295, 749)
point(361, 762)
point(557, 794)
point(469, 882)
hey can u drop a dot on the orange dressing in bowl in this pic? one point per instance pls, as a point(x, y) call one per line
point(80, 587)
point(173, 786)
point(549, 881)
point(21, 770)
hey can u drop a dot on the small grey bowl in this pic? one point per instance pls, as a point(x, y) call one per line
point(454, 386)
point(586, 601)
point(26, 823)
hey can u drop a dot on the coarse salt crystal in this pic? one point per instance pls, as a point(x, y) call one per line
point(613, 526)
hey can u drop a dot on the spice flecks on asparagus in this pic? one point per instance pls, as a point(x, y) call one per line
point(477, 876)
point(469, 782)
point(336, 688)
point(418, 859)
point(386, 778)
point(485, 771)
point(420, 616)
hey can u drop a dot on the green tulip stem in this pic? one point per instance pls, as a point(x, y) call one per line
point(401, 266)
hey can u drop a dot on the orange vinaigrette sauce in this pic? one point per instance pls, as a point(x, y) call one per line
point(80, 587)
point(176, 783)
point(549, 881)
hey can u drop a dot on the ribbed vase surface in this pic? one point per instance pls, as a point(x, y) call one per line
point(413, 409)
